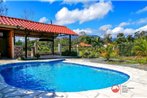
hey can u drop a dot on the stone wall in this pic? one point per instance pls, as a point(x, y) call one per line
point(18, 51)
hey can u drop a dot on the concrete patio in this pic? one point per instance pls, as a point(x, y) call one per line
point(135, 87)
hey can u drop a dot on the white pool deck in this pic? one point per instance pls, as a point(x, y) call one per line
point(135, 87)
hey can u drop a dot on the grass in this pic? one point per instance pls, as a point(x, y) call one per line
point(131, 60)
point(139, 63)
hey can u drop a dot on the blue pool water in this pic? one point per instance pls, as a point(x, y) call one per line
point(60, 76)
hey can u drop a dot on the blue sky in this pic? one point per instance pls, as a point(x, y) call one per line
point(93, 17)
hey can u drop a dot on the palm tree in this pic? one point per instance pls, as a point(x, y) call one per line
point(107, 38)
point(140, 47)
point(121, 40)
point(107, 51)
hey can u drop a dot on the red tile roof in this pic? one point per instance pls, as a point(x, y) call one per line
point(35, 26)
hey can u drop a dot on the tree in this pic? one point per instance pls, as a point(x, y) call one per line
point(3, 8)
point(82, 33)
point(130, 38)
point(107, 38)
point(107, 51)
point(140, 34)
point(85, 39)
point(28, 14)
point(121, 42)
point(96, 41)
point(129, 44)
point(120, 38)
point(19, 43)
point(140, 47)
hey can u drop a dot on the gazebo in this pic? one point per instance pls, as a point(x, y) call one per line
point(11, 27)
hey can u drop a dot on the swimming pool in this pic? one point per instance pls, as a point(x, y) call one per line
point(60, 76)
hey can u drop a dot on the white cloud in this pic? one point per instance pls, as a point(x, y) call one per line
point(142, 10)
point(50, 1)
point(144, 28)
point(137, 22)
point(141, 21)
point(43, 20)
point(119, 29)
point(105, 27)
point(122, 24)
point(95, 11)
point(116, 30)
point(75, 1)
point(87, 31)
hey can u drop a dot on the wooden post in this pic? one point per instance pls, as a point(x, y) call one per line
point(14, 38)
point(69, 44)
point(53, 46)
point(26, 43)
point(10, 44)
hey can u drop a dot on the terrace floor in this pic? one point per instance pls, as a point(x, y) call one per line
point(135, 87)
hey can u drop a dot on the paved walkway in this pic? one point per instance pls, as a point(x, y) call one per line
point(135, 87)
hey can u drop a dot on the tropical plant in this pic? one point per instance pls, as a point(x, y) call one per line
point(67, 53)
point(140, 47)
point(107, 38)
point(107, 51)
point(89, 52)
point(121, 42)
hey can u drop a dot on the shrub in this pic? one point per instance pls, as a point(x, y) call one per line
point(108, 52)
point(67, 53)
point(37, 55)
point(89, 53)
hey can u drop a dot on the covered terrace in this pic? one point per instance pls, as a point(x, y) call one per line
point(11, 27)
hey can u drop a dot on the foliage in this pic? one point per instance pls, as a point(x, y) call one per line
point(19, 43)
point(122, 46)
point(107, 51)
point(140, 47)
point(67, 53)
point(107, 38)
point(37, 55)
point(95, 41)
point(89, 53)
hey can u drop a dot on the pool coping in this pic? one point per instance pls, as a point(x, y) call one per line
point(135, 82)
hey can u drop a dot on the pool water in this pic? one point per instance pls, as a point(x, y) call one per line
point(60, 76)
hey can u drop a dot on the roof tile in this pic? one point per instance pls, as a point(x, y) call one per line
point(35, 26)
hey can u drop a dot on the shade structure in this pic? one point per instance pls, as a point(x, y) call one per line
point(11, 27)
point(34, 26)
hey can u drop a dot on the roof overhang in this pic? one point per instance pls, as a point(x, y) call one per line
point(22, 25)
